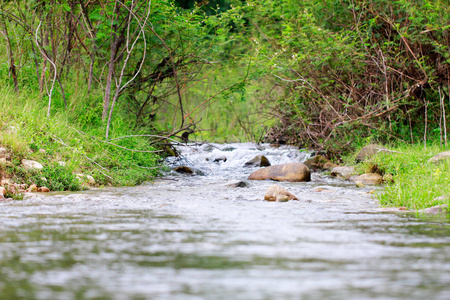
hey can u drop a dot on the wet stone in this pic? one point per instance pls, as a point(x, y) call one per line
point(239, 184)
point(183, 170)
point(258, 161)
point(279, 194)
point(219, 159)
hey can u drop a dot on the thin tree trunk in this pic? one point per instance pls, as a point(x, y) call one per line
point(12, 65)
point(109, 78)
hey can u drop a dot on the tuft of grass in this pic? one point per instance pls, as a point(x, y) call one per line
point(417, 183)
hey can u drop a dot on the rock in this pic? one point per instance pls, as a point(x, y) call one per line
point(317, 162)
point(440, 157)
point(369, 178)
point(369, 151)
point(279, 194)
point(86, 178)
point(61, 163)
point(31, 165)
point(90, 179)
point(359, 184)
point(443, 208)
point(5, 182)
point(32, 188)
point(293, 172)
point(170, 151)
point(343, 172)
point(219, 159)
point(239, 184)
point(2, 191)
point(187, 170)
point(258, 161)
point(183, 170)
point(3, 152)
point(43, 189)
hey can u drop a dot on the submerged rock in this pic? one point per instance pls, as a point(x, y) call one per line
point(279, 194)
point(343, 172)
point(369, 151)
point(293, 172)
point(258, 161)
point(369, 178)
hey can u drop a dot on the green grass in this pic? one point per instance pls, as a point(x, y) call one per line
point(416, 182)
point(74, 136)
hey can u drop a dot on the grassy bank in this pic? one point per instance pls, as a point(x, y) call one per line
point(416, 182)
point(70, 142)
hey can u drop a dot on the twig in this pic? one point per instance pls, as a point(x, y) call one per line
point(59, 140)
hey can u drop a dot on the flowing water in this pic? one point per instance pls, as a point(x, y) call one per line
point(197, 237)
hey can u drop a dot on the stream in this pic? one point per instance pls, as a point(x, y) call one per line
point(198, 237)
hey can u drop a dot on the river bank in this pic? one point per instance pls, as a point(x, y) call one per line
point(69, 148)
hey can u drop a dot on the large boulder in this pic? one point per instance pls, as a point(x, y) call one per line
point(293, 172)
point(369, 151)
point(279, 194)
point(439, 157)
point(258, 161)
point(317, 162)
point(369, 178)
point(343, 172)
point(31, 165)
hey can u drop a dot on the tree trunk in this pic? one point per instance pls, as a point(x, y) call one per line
point(12, 65)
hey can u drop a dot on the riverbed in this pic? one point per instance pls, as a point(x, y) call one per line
point(200, 237)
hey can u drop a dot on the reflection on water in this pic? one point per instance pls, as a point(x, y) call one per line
point(197, 238)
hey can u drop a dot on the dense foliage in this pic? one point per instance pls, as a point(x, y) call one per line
point(352, 70)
